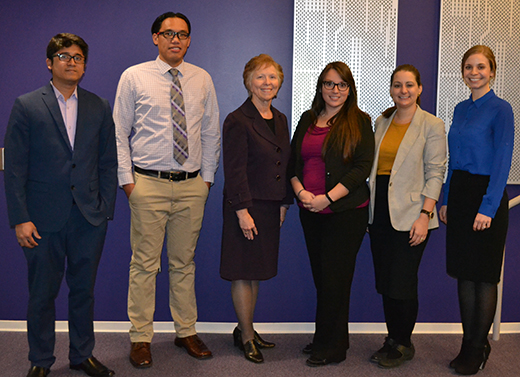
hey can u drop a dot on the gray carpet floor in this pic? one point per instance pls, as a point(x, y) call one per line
point(433, 354)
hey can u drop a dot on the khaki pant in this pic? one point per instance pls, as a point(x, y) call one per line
point(160, 207)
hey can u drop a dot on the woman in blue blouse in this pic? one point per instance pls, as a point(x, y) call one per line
point(475, 207)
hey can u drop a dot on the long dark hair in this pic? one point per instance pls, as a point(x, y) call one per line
point(407, 68)
point(345, 130)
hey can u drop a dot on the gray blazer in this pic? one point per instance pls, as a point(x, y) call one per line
point(418, 169)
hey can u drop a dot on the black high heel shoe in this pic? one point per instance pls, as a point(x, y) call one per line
point(237, 337)
point(464, 350)
point(251, 352)
point(261, 343)
point(462, 354)
point(475, 359)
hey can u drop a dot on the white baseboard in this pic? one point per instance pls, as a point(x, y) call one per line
point(267, 328)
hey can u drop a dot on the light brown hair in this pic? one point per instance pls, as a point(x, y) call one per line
point(256, 63)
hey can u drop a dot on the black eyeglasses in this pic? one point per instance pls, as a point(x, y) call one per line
point(170, 34)
point(78, 59)
point(342, 86)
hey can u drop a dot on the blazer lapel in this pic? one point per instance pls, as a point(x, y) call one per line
point(379, 136)
point(49, 98)
point(259, 123)
point(409, 139)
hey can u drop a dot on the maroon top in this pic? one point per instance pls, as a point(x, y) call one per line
point(314, 166)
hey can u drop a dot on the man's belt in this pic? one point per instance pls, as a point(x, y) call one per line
point(169, 175)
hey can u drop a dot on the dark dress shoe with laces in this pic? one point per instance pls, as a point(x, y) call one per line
point(38, 372)
point(194, 346)
point(93, 367)
point(141, 355)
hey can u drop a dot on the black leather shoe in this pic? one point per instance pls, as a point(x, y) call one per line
point(315, 361)
point(38, 372)
point(404, 354)
point(93, 367)
point(383, 351)
point(474, 360)
point(252, 353)
point(237, 339)
point(463, 354)
point(307, 349)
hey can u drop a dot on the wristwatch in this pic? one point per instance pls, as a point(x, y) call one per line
point(428, 213)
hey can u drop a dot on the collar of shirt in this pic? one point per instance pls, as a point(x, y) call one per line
point(482, 100)
point(60, 96)
point(164, 67)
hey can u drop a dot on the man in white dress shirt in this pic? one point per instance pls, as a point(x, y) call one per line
point(170, 180)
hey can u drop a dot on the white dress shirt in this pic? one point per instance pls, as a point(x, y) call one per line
point(69, 112)
point(143, 119)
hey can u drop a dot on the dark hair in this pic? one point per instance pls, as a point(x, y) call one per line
point(156, 26)
point(345, 129)
point(64, 40)
point(407, 68)
point(487, 52)
point(256, 63)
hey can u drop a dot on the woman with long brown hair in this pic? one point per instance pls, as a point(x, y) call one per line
point(332, 153)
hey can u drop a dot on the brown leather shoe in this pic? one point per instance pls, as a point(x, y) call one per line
point(195, 346)
point(140, 355)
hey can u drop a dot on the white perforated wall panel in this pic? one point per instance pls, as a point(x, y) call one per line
point(494, 23)
point(361, 33)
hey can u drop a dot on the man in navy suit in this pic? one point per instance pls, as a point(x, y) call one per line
point(60, 184)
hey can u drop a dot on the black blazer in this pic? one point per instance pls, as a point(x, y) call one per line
point(44, 176)
point(352, 175)
point(255, 159)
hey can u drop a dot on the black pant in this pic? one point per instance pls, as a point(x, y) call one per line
point(333, 241)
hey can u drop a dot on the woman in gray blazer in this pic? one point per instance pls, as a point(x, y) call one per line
point(405, 183)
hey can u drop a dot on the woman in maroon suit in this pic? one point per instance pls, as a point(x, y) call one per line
point(255, 143)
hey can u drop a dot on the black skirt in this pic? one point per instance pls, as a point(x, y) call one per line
point(396, 263)
point(474, 255)
point(242, 259)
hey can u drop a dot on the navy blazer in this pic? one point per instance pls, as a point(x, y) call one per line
point(255, 159)
point(44, 176)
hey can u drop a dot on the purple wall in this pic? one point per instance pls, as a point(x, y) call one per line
point(224, 37)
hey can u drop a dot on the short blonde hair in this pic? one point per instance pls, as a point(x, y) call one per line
point(256, 63)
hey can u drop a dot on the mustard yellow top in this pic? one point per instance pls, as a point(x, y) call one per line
point(389, 146)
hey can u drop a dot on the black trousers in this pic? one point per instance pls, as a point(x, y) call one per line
point(77, 246)
point(333, 241)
